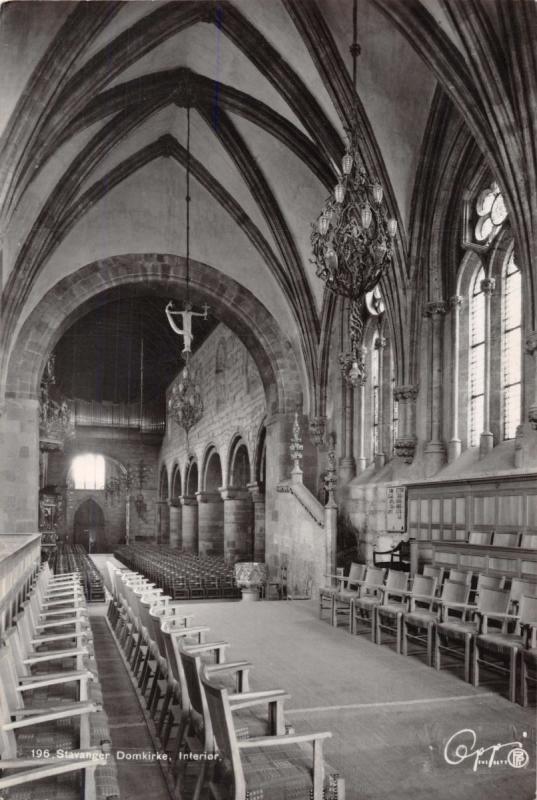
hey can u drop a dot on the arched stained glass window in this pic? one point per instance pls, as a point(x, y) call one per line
point(511, 347)
point(477, 357)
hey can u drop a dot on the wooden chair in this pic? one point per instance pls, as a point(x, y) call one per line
point(348, 589)
point(199, 737)
point(529, 663)
point(432, 571)
point(397, 558)
point(419, 620)
point(368, 589)
point(462, 630)
point(461, 576)
point(366, 606)
point(389, 614)
point(501, 646)
point(326, 593)
point(256, 767)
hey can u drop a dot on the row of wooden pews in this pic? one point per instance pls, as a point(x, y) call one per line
point(54, 734)
point(223, 740)
point(483, 620)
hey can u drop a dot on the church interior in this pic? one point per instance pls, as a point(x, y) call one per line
point(268, 399)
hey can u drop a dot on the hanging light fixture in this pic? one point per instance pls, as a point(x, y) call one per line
point(185, 403)
point(352, 240)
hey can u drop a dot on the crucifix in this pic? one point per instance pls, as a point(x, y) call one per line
point(186, 314)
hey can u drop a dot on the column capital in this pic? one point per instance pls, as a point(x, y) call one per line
point(234, 493)
point(456, 301)
point(175, 502)
point(208, 497)
point(256, 492)
point(487, 286)
point(380, 342)
point(406, 392)
point(531, 343)
point(435, 307)
point(185, 500)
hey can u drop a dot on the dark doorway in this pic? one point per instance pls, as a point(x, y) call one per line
point(88, 527)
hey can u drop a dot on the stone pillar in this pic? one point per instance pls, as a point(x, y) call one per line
point(175, 524)
point(238, 524)
point(362, 460)
point(258, 499)
point(379, 456)
point(163, 521)
point(210, 524)
point(189, 508)
point(454, 446)
point(405, 445)
point(19, 465)
point(347, 465)
point(434, 450)
point(531, 349)
point(486, 442)
point(330, 512)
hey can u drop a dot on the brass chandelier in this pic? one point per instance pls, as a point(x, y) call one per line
point(352, 239)
point(185, 402)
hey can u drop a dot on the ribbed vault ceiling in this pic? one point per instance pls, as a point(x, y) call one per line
point(94, 134)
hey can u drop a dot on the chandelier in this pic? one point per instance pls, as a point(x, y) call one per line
point(352, 239)
point(185, 403)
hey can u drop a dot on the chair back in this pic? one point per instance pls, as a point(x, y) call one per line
point(509, 539)
point(455, 592)
point(480, 537)
point(528, 541)
point(520, 587)
point(528, 610)
point(224, 733)
point(424, 586)
point(8, 742)
point(192, 667)
point(460, 576)
point(356, 573)
point(490, 582)
point(374, 576)
point(493, 601)
point(396, 580)
point(175, 663)
point(431, 571)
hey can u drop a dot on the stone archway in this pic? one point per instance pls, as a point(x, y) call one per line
point(88, 527)
point(282, 370)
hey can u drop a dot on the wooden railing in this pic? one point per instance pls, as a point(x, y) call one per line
point(20, 556)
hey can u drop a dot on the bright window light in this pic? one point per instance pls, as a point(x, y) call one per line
point(88, 471)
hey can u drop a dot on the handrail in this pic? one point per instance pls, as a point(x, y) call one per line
point(306, 499)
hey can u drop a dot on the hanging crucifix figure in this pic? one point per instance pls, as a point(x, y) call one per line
point(187, 315)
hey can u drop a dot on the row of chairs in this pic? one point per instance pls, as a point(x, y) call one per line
point(54, 734)
point(204, 712)
point(183, 576)
point(71, 558)
point(473, 617)
point(502, 539)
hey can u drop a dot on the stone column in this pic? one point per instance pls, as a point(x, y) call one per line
point(189, 508)
point(238, 524)
point(486, 442)
point(175, 524)
point(531, 349)
point(362, 460)
point(19, 484)
point(258, 499)
point(434, 450)
point(163, 521)
point(347, 465)
point(454, 446)
point(210, 524)
point(405, 444)
point(379, 456)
